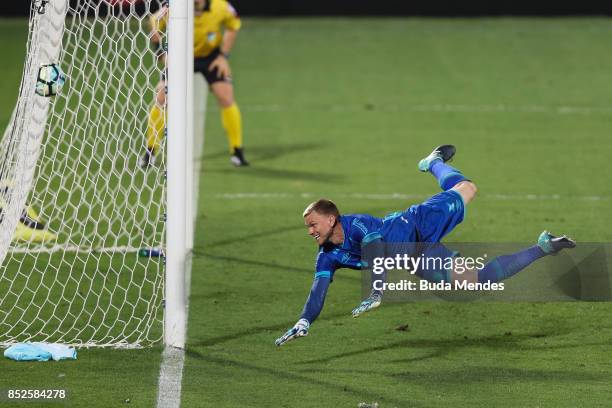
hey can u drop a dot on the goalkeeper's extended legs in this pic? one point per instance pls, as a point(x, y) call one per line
point(449, 178)
point(504, 266)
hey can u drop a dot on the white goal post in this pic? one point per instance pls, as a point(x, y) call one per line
point(76, 208)
point(180, 95)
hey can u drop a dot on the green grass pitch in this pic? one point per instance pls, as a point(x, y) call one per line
point(344, 108)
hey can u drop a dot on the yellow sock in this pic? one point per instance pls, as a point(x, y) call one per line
point(155, 128)
point(232, 123)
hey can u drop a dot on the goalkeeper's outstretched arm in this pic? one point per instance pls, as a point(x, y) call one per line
point(316, 298)
point(312, 309)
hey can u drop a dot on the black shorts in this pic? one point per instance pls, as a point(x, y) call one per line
point(202, 65)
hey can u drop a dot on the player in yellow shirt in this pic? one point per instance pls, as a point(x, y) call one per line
point(216, 26)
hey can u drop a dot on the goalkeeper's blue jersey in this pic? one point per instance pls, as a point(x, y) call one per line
point(425, 222)
point(359, 229)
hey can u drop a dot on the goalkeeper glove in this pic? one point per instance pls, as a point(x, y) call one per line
point(371, 302)
point(299, 330)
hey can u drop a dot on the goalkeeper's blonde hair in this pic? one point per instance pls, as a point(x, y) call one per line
point(322, 206)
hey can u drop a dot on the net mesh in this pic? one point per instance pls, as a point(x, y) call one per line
point(71, 162)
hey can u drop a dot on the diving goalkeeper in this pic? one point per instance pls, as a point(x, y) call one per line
point(216, 26)
point(340, 239)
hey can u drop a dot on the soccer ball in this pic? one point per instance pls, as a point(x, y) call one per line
point(50, 80)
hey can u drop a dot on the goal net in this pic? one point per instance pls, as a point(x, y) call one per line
point(70, 169)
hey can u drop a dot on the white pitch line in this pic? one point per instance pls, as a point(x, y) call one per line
point(173, 359)
point(544, 197)
point(400, 196)
point(170, 378)
point(452, 108)
point(72, 248)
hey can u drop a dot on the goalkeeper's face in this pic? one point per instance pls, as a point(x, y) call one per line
point(320, 226)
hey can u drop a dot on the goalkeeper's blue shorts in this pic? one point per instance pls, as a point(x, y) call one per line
point(429, 221)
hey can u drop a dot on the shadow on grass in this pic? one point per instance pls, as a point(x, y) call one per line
point(473, 374)
point(200, 253)
point(259, 153)
point(263, 234)
point(443, 346)
point(281, 174)
point(309, 381)
point(250, 237)
point(306, 371)
point(484, 374)
point(276, 330)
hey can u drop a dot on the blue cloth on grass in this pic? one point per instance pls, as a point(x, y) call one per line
point(40, 352)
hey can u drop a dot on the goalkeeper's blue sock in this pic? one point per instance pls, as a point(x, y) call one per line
point(446, 175)
point(505, 266)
